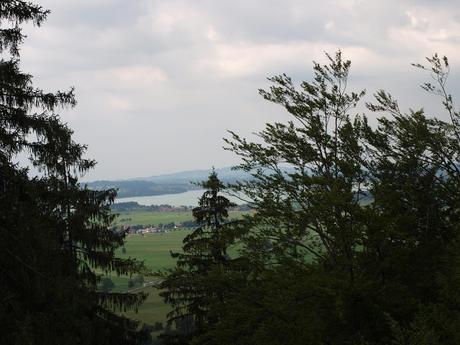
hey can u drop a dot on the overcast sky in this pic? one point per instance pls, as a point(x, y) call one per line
point(160, 82)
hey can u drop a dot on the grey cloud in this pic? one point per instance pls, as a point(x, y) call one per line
point(160, 81)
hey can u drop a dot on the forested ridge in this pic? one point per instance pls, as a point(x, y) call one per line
point(167, 183)
point(353, 238)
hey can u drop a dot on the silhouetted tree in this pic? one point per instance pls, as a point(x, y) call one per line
point(326, 267)
point(54, 234)
point(203, 268)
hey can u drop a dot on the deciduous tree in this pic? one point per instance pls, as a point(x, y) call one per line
point(355, 234)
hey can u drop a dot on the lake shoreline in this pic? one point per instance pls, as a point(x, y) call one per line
point(188, 198)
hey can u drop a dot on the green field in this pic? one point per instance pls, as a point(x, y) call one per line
point(155, 218)
point(154, 249)
point(152, 310)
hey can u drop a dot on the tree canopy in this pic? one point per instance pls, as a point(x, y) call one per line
point(354, 239)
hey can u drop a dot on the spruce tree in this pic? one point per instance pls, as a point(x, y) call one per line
point(199, 281)
point(54, 232)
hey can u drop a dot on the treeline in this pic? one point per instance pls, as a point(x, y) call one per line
point(127, 189)
point(134, 206)
point(131, 206)
point(358, 244)
point(189, 224)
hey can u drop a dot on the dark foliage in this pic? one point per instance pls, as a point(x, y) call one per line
point(53, 232)
point(355, 236)
point(200, 278)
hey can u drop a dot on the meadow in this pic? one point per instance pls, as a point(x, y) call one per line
point(155, 218)
point(154, 249)
point(153, 310)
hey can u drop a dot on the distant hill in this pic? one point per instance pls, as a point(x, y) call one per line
point(227, 175)
point(140, 188)
point(179, 182)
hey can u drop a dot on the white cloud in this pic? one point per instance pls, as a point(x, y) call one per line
point(428, 30)
point(118, 104)
point(151, 70)
point(135, 76)
point(212, 35)
point(168, 16)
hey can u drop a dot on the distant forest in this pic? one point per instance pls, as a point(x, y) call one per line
point(166, 184)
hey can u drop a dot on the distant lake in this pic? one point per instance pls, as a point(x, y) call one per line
point(189, 198)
